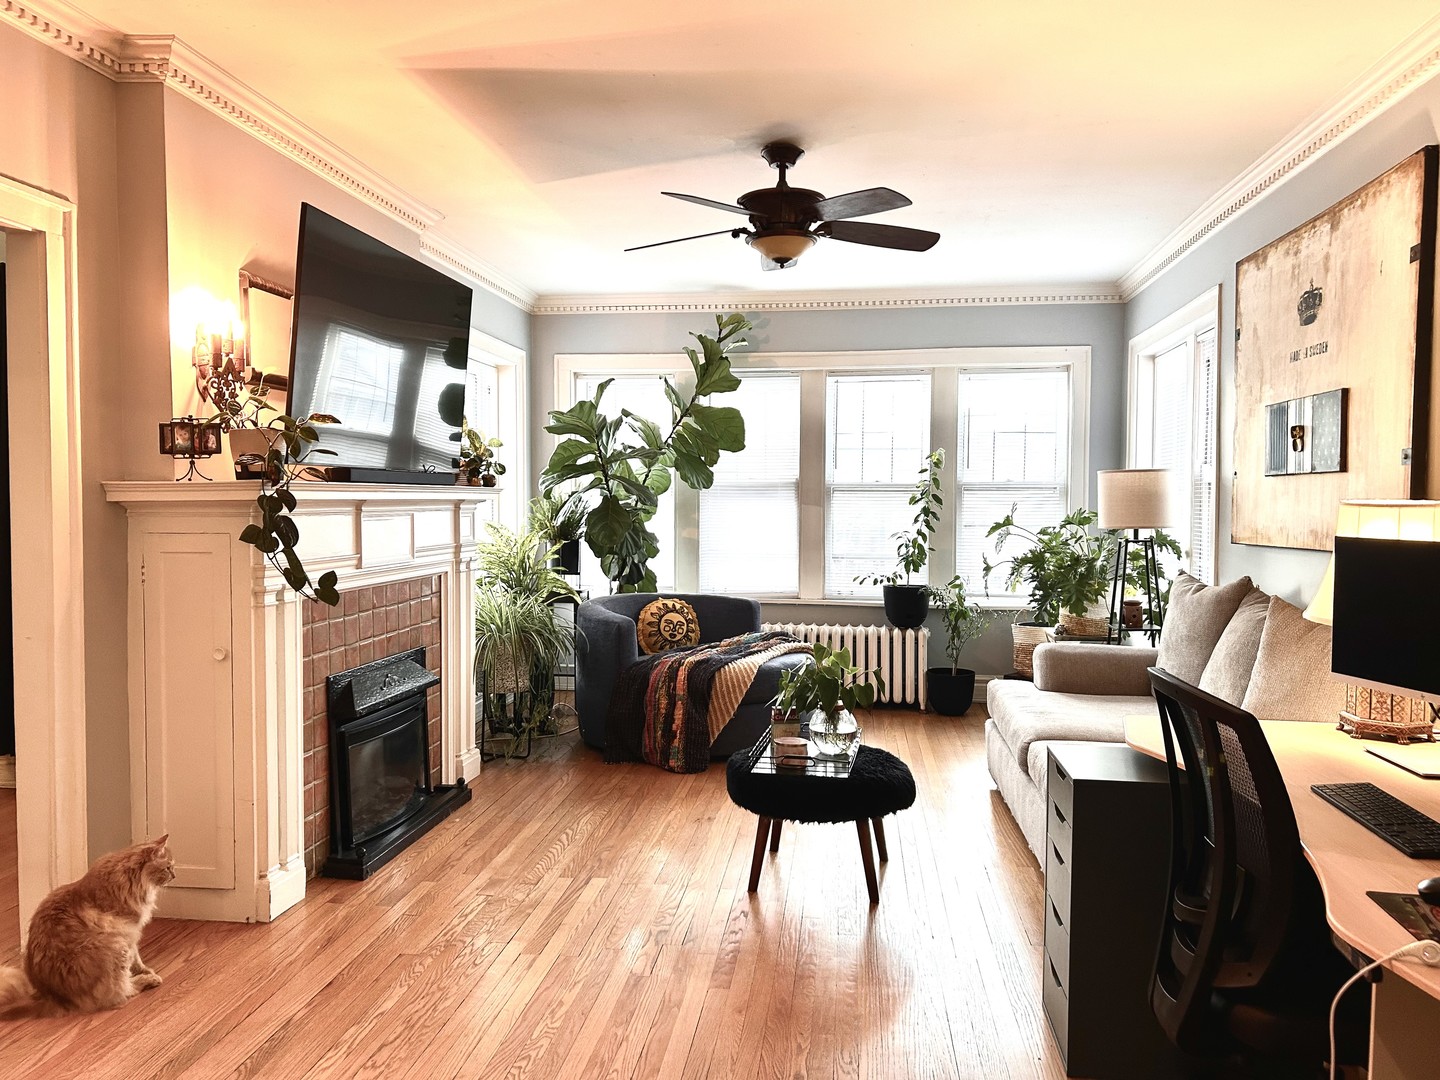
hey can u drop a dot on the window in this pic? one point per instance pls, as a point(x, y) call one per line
point(877, 436)
point(643, 395)
point(750, 520)
point(1014, 450)
point(1173, 417)
point(835, 443)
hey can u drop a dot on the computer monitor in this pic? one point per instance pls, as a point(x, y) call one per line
point(1386, 623)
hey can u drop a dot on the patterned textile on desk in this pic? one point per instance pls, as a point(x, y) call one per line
point(667, 709)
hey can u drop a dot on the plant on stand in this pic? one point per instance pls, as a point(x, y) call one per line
point(1135, 583)
point(907, 604)
point(518, 640)
point(951, 690)
point(826, 694)
point(625, 463)
point(478, 466)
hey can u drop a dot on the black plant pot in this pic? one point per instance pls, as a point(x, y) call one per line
point(906, 605)
point(950, 694)
point(567, 558)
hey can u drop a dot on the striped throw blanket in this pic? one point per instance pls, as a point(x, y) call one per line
point(668, 708)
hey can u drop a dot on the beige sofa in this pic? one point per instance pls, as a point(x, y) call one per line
point(1234, 641)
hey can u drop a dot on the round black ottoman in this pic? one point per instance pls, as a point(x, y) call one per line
point(879, 783)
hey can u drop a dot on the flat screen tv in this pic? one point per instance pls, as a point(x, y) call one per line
point(381, 341)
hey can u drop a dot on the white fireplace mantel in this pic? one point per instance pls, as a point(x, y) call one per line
point(215, 683)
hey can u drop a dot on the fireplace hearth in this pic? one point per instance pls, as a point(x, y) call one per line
point(381, 797)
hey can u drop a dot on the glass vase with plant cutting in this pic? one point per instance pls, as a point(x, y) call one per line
point(826, 694)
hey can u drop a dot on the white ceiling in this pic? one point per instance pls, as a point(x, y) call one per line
point(1047, 140)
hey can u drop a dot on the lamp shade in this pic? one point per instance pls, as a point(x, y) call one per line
point(1136, 498)
point(782, 246)
point(1374, 520)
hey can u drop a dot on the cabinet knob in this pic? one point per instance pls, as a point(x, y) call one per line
point(219, 654)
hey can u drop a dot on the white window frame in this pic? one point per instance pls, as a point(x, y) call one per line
point(1183, 327)
point(512, 388)
point(944, 366)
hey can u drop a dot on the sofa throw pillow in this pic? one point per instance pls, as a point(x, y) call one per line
point(1195, 619)
point(667, 624)
point(1292, 679)
point(1227, 672)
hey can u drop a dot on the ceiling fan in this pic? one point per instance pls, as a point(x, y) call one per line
point(786, 221)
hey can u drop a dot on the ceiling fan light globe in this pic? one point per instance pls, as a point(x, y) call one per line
point(782, 248)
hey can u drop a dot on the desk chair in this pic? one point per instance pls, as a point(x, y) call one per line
point(1245, 966)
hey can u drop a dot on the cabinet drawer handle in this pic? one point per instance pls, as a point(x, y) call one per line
point(1058, 857)
point(219, 653)
point(1054, 974)
point(1060, 772)
point(1056, 912)
point(1059, 813)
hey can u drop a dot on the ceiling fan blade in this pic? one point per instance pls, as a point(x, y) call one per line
point(709, 202)
point(873, 200)
point(886, 236)
point(682, 239)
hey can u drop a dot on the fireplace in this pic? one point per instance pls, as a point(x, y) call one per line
point(381, 795)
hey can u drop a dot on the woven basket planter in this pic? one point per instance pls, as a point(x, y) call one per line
point(1024, 639)
point(1083, 625)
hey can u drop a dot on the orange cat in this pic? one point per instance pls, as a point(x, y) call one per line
point(83, 954)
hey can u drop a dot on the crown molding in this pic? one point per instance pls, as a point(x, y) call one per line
point(168, 60)
point(1402, 70)
point(653, 303)
point(502, 285)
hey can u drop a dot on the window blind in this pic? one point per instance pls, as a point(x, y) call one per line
point(749, 521)
point(1014, 439)
point(877, 436)
point(1204, 474)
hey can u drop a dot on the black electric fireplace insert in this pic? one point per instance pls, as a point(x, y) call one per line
point(381, 797)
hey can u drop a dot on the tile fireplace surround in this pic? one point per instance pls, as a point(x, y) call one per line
point(223, 687)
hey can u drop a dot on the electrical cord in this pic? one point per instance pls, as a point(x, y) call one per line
point(1427, 952)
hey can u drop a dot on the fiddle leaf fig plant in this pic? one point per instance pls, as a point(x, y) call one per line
point(277, 535)
point(623, 464)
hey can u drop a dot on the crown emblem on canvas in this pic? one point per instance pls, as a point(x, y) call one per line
point(1309, 306)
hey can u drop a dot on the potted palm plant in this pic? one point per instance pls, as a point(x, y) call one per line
point(951, 690)
point(907, 604)
point(826, 694)
point(518, 640)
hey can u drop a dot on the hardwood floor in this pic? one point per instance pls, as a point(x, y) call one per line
point(583, 920)
point(9, 880)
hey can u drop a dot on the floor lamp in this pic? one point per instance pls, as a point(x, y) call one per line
point(1135, 499)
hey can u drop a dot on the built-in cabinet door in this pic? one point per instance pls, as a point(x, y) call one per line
point(189, 736)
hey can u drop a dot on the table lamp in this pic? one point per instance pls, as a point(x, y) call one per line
point(1135, 499)
point(1384, 644)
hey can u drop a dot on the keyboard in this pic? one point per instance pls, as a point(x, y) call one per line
point(1397, 823)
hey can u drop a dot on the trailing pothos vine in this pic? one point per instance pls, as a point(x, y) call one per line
point(623, 464)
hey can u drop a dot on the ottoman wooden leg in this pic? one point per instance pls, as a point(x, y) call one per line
point(879, 825)
point(761, 832)
point(863, 827)
point(775, 833)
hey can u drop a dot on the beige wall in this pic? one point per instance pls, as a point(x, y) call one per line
point(168, 195)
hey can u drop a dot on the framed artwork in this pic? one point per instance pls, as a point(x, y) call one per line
point(1332, 361)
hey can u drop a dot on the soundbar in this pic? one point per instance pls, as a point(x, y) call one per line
point(365, 474)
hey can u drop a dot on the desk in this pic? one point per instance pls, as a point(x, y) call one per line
point(1349, 859)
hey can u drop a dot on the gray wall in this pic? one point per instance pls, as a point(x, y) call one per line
point(1101, 326)
point(1384, 142)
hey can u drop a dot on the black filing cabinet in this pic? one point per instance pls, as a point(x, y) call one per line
point(1107, 852)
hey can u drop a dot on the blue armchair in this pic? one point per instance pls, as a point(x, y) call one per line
point(609, 646)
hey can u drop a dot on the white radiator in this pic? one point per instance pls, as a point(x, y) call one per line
point(900, 655)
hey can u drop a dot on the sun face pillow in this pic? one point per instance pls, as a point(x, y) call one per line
point(667, 624)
